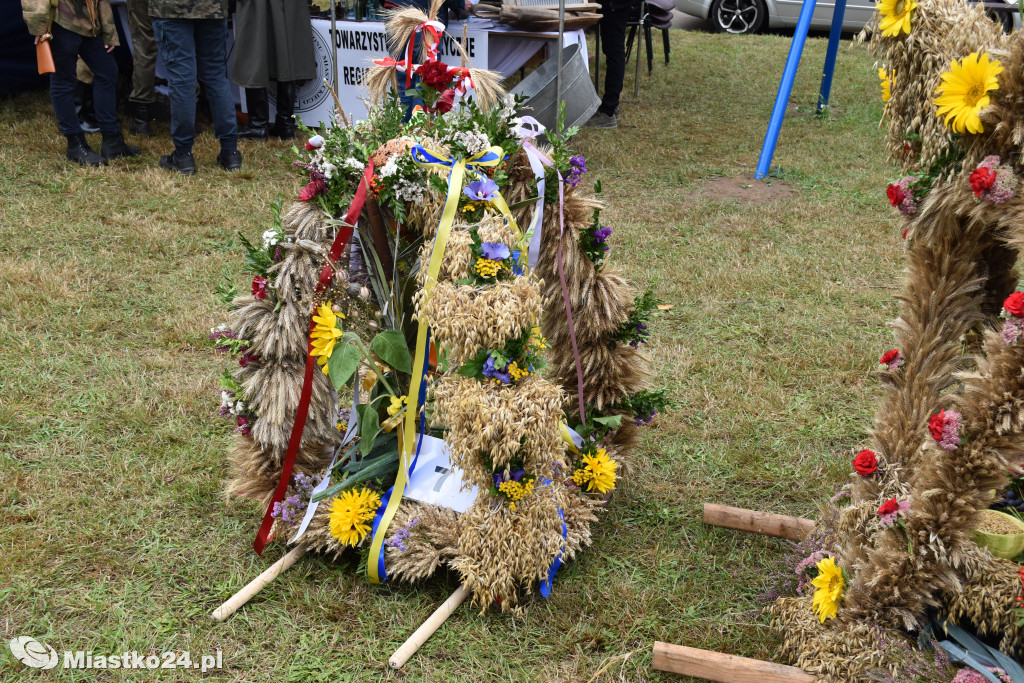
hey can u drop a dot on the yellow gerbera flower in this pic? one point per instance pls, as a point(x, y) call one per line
point(325, 333)
point(598, 472)
point(829, 584)
point(886, 85)
point(351, 513)
point(895, 16)
point(964, 91)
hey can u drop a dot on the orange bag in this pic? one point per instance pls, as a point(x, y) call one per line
point(44, 58)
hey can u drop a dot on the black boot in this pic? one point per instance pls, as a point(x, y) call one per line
point(140, 120)
point(259, 113)
point(284, 121)
point(114, 147)
point(80, 152)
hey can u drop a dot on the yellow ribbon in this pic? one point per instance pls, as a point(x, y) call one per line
point(451, 203)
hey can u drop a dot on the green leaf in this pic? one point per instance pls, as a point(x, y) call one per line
point(342, 364)
point(612, 421)
point(391, 348)
point(369, 427)
point(475, 366)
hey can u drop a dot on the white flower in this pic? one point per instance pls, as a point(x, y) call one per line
point(328, 169)
point(239, 407)
point(473, 140)
point(354, 164)
point(271, 238)
point(389, 169)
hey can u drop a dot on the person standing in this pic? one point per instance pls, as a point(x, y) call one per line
point(192, 38)
point(144, 67)
point(273, 44)
point(614, 17)
point(81, 28)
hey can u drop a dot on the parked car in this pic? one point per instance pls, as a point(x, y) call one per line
point(751, 16)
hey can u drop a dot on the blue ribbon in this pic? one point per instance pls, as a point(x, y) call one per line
point(545, 585)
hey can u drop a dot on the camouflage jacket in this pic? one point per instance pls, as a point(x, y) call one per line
point(188, 9)
point(96, 18)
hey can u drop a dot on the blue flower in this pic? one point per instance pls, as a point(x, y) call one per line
point(483, 190)
point(516, 268)
point(500, 374)
point(494, 251)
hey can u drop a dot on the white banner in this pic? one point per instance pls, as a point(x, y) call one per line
point(357, 44)
point(436, 481)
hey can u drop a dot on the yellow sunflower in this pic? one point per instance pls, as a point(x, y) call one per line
point(895, 16)
point(351, 513)
point(325, 333)
point(964, 91)
point(886, 85)
point(829, 584)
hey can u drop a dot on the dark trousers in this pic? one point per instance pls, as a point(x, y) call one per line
point(613, 45)
point(66, 46)
point(196, 49)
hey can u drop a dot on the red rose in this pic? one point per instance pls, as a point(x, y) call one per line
point(936, 423)
point(982, 179)
point(895, 194)
point(888, 507)
point(865, 463)
point(889, 356)
point(435, 74)
point(445, 101)
point(1014, 304)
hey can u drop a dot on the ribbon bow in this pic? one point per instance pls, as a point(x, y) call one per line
point(431, 31)
point(465, 76)
point(527, 128)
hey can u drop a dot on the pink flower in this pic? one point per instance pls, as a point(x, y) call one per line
point(992, 181)
point(894, 510)
point(901, 196)
point(1012, 330)
point(315, 188)
point(259, 287)
point(945, 428)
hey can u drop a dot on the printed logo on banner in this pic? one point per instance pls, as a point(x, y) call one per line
point(313, 93)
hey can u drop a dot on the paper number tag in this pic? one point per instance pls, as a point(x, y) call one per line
point(436, 481)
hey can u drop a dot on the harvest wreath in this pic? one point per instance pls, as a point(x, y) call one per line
point(415, 327)
point(911, 555)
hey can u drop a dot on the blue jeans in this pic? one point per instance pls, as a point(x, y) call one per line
point(196, 49)
point(66, 46)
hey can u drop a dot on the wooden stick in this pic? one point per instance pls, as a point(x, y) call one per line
point(793, 528)
point(256, 585)
point(427, 629)
point(715, 666)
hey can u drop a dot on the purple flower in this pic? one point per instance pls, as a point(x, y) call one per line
point(640, 420)
point(500, 374)
point(494, 251)
point(577, 167)
point(602, 234)
point(641, 336)
point(402, 535)
point(483, 190)
point(1012, 330)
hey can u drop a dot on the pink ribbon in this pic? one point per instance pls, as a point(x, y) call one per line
point(528, 144)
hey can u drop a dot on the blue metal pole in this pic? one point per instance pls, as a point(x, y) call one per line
point(830, 56)
point(785, 88)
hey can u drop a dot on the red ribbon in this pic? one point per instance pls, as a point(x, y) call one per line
point(410, 58)
point(340, 240)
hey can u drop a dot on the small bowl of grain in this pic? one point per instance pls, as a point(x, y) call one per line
point(1001, 533)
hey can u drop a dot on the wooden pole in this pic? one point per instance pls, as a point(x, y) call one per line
point(433, 622)
point(793, 528)
point(715, 666)
point(256, 585)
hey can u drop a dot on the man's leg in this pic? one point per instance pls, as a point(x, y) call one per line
point(211, 60)
point(64, 80)
point(143, 65)
point(104, 83)
point(613, 44)
point(177, 42)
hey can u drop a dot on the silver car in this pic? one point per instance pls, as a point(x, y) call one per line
point(750, 16)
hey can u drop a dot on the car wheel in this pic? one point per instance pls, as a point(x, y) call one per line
point(738, 16)
point(1003, 17)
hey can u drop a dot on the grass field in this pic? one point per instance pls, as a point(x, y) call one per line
point(115, 535)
